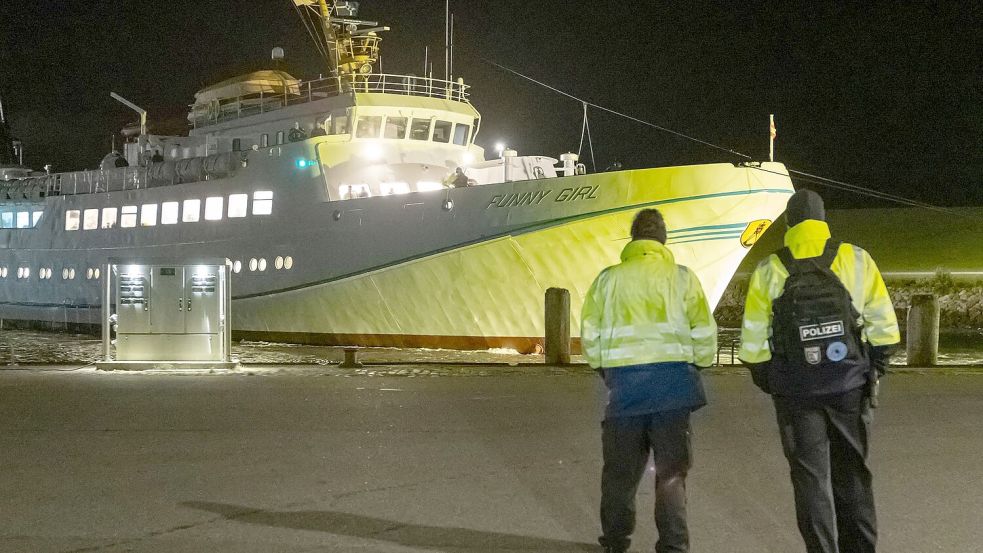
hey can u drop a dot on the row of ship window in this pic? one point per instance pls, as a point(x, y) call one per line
point(20, 219)
point(44, 273)
point(259, 264)
point(379, 126)
point(188, 211)
point(255, 264)
point(398, 128)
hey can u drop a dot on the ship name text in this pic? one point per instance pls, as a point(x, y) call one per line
point(535, 198)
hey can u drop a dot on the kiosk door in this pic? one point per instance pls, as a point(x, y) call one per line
point(167, 311)
point(203, 295)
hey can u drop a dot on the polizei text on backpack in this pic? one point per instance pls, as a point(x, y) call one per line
point(820, 331)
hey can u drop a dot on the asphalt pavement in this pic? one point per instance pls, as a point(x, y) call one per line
point(422, 459)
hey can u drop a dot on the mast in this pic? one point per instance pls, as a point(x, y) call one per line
point(330, 36)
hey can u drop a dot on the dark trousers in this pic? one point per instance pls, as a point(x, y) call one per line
point(826, 442)
point(627, 443)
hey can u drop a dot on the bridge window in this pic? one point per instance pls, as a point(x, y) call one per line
point(7, 219)
point(461, 132)
point(262, 202)
point(109, 217)
point(23, 219)
point(264, 140)
point(128, 216)
point(428, 186)
point(388, 188)
point(442, 131)
point(339, 124)
point(72, 219)
point(90, 219)
point(36, 218)
point(420, 129)
point(396, 127)
point(213, 208)
point(279, 137)
point(168, 213)
point(238, 205)
point(368, 126)
point(236, 144)
point(148, 216)
point(350, 191)
point(192, 211)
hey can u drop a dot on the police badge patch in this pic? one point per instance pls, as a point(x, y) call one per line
point(813, 355)
point(836, 351)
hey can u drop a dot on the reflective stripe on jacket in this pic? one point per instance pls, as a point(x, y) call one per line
point(647, 309)
point(852, 265)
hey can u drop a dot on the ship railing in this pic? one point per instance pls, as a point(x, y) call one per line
point(230, 109)
point(95, 181)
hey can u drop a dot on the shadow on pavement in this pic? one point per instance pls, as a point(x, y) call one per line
point(411, 535)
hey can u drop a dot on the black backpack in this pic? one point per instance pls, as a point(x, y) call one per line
point(816, 341)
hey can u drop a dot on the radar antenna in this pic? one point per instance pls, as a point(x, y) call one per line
point(349, 50)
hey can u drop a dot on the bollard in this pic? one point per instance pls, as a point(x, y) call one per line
point(351, 359)
point(923, 331)
point(557, 326)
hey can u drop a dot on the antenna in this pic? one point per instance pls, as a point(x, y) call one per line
point(3, 119)
point(451, 78)
point(426, 61)
point(447, 38)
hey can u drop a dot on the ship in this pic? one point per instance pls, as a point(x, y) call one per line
point(356, 208)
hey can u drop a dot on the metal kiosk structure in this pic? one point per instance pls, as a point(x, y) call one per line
point(168, 314)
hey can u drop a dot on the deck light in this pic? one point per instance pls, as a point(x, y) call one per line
point(372, 151)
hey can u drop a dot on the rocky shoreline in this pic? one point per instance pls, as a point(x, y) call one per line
point(960, 303)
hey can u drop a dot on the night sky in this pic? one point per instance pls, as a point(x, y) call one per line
point(885, 95)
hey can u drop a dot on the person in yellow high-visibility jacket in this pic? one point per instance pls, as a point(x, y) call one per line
point(646, 327)
point(824, 433)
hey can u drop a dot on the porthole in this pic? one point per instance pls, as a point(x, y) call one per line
point(64, 274)
point(278, 262)
point(3, 272)
point(288, 262)
point(71, 274)
point(253, 264)
point(20, 272)
point(236, 266)
point(88, 273)
point(27, 272)
point(95, 273)
point(262, 264)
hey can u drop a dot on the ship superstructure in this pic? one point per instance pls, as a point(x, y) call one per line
point(357, 209)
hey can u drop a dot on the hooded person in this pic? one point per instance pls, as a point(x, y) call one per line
point(818, 326)
point(647, 328)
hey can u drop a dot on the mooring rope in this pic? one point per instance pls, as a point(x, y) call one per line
point(800, 175)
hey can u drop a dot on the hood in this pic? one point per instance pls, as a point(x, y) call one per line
point(807, 239)
point(639, 248)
